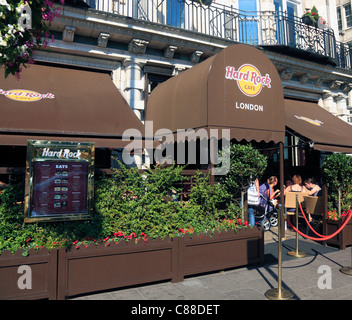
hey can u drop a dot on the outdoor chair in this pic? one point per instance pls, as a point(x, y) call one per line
point(315, 206)
point(290, 203)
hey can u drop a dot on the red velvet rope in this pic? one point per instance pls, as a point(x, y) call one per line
point(305, 218)
point(322, 238)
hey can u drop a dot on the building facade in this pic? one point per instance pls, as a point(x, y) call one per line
point(344, 21)
point(142, 43)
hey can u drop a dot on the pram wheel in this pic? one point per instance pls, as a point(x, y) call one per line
point(265, 224)
point(273, 219)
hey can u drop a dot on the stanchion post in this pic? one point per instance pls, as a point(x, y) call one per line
point(347, 270)
point(297, 254)
point(279, 293)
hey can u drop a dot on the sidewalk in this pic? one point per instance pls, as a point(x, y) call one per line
point(300, 275)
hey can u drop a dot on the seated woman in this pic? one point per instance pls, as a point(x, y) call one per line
point(313, 188)
point(296, 187)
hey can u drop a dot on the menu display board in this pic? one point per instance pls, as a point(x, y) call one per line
point(59, 181)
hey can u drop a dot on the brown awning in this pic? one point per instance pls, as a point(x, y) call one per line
point(238, 89)
point(325, 131)
point(56, 103)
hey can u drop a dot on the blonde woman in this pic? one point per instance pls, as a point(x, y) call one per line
point(297, 185)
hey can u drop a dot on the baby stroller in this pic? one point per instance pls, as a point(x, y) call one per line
point(266, 214)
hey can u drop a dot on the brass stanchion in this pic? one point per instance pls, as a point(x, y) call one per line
point(279, 293)
point(347, 270)
point(297, 254)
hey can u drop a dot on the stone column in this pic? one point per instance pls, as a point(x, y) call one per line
point(341, 105)
point(134, 84)
point(132, 87)
point(329, 103)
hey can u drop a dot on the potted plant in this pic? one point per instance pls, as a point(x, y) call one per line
point(332, 224)
point(311, 17)
point(337, 173)
point(246, 164)
point(322, 24)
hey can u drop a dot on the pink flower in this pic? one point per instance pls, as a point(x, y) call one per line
point(48, 3)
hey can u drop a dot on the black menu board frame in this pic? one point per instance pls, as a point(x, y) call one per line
point(59, 181)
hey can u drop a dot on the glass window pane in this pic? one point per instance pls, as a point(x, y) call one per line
point(339, 19)
point(348, 15)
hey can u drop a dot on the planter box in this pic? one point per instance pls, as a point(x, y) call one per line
point(222, 250)
point(342, 239)
point(63, 273)
point(43, 274)
point(98, 268)
point(308, 21)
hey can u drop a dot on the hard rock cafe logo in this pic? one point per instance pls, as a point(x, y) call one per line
point(314, 122)
point(249, 79)
point(25, 95)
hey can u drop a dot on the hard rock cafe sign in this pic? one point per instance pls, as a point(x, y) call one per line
point(315, 122)
point(23, 95)
point(248, 78)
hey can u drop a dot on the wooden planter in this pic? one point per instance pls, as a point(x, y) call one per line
point(63, 273)
point(222, 250)
point(342, 239)
point(43, 274)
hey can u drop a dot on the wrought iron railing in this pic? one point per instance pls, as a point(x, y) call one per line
point(266, 28)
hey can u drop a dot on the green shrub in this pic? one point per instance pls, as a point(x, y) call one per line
point(337, 174)
point(129, 205)
point(246, 164)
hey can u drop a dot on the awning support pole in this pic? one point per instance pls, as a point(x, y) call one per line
point(282, 191)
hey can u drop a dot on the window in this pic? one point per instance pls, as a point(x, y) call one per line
point(291, 7)
point(339, 18)
point(248, 21)
point(247, 5)
point(175, 13)
point(286, 11)
point(348, 15)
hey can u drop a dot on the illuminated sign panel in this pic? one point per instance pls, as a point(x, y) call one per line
point(59, 181)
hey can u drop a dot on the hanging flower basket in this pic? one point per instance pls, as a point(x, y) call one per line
point(24, 26)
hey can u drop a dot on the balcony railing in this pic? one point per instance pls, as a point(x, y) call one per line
point(265, 28)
